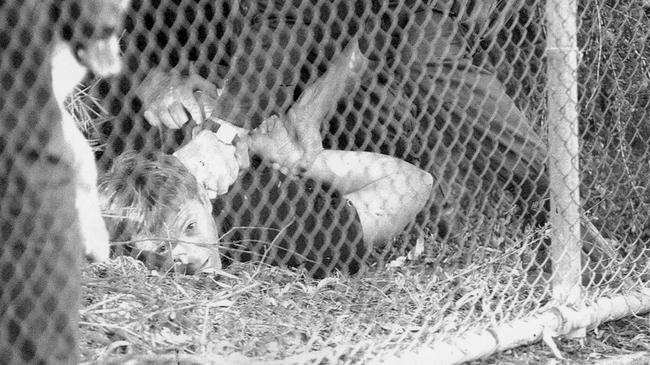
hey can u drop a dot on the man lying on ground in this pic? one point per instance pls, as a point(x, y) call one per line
point(325, 211)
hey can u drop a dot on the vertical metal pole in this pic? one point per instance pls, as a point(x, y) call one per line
point(563, 142)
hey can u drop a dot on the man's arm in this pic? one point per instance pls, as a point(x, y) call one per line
point(387, 192)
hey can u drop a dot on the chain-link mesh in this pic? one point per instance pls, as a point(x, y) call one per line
point(404, 143)
point(49, 208)
point(39, 258)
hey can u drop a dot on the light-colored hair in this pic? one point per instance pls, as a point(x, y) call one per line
point(140, 193)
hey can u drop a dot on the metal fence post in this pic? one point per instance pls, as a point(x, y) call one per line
point(563, 141)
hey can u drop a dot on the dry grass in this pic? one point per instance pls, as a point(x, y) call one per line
point(269, 313)
point(254, 313)
point(88, 113)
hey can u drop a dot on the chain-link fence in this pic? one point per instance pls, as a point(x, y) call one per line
point(50, 214)
point(350, 181)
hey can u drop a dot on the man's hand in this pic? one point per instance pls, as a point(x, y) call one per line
point(215, 165)
point(168, 98)
point(276, 141)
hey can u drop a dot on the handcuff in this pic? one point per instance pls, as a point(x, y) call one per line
point(225, 131)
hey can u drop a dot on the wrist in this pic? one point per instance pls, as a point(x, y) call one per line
point(243, 153)
point(289, 160)
point(294, 161)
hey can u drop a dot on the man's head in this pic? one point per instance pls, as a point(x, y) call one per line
point(154, 203)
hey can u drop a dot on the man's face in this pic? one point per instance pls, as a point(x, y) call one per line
point(188, 242)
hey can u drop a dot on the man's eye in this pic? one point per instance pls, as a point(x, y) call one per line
point(163, 249)
point(190, 227)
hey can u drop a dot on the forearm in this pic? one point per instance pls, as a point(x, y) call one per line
point(351, 171)
point(386, 192)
